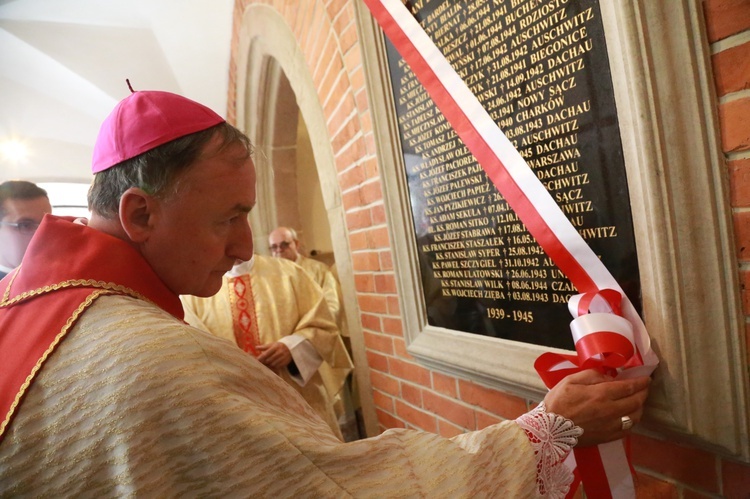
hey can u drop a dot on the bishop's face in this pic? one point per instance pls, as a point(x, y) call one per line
point(203, 229)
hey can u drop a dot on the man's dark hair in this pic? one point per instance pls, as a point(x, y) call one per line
point(156, 171)
point(19, 189)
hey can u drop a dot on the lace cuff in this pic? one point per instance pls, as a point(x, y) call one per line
point(552, 437)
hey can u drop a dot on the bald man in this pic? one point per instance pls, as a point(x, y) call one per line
point(284, 243)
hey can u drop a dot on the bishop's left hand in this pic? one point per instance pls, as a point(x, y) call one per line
point(597, 403)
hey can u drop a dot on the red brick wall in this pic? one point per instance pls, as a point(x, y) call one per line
point(728, 30)
point(409, 395)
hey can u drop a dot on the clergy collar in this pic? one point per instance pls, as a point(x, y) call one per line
point(241, 268)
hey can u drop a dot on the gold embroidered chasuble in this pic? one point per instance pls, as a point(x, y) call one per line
point(134, 402)
point(324, 278)
point(334, 378)
point(286, 302)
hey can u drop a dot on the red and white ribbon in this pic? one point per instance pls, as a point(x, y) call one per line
point(602, 342)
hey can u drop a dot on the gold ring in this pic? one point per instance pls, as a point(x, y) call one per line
point(627, 423)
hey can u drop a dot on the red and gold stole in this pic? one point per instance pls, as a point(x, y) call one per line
point(66, 268)
point(244, 319)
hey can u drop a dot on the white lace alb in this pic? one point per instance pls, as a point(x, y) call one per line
point(552, 437)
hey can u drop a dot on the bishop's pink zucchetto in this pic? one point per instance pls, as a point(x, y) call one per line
point(147, 119)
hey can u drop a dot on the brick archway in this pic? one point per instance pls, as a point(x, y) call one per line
point(310, 55)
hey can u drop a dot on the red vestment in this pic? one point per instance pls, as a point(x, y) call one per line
point(65, 269)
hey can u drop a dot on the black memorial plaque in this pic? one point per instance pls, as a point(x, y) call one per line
point(540, 68)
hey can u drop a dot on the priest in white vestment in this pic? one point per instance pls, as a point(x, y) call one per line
point(265, 301)
point(283, 242)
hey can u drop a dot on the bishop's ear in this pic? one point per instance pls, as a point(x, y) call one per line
point(137, 214)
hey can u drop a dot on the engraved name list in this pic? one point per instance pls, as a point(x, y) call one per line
point(540, 69)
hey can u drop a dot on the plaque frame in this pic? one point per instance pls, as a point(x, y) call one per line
point(689, 279)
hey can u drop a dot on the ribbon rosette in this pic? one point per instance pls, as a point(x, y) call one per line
point(604, 339)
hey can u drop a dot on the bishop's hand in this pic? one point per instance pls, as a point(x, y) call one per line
point(599, 404)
